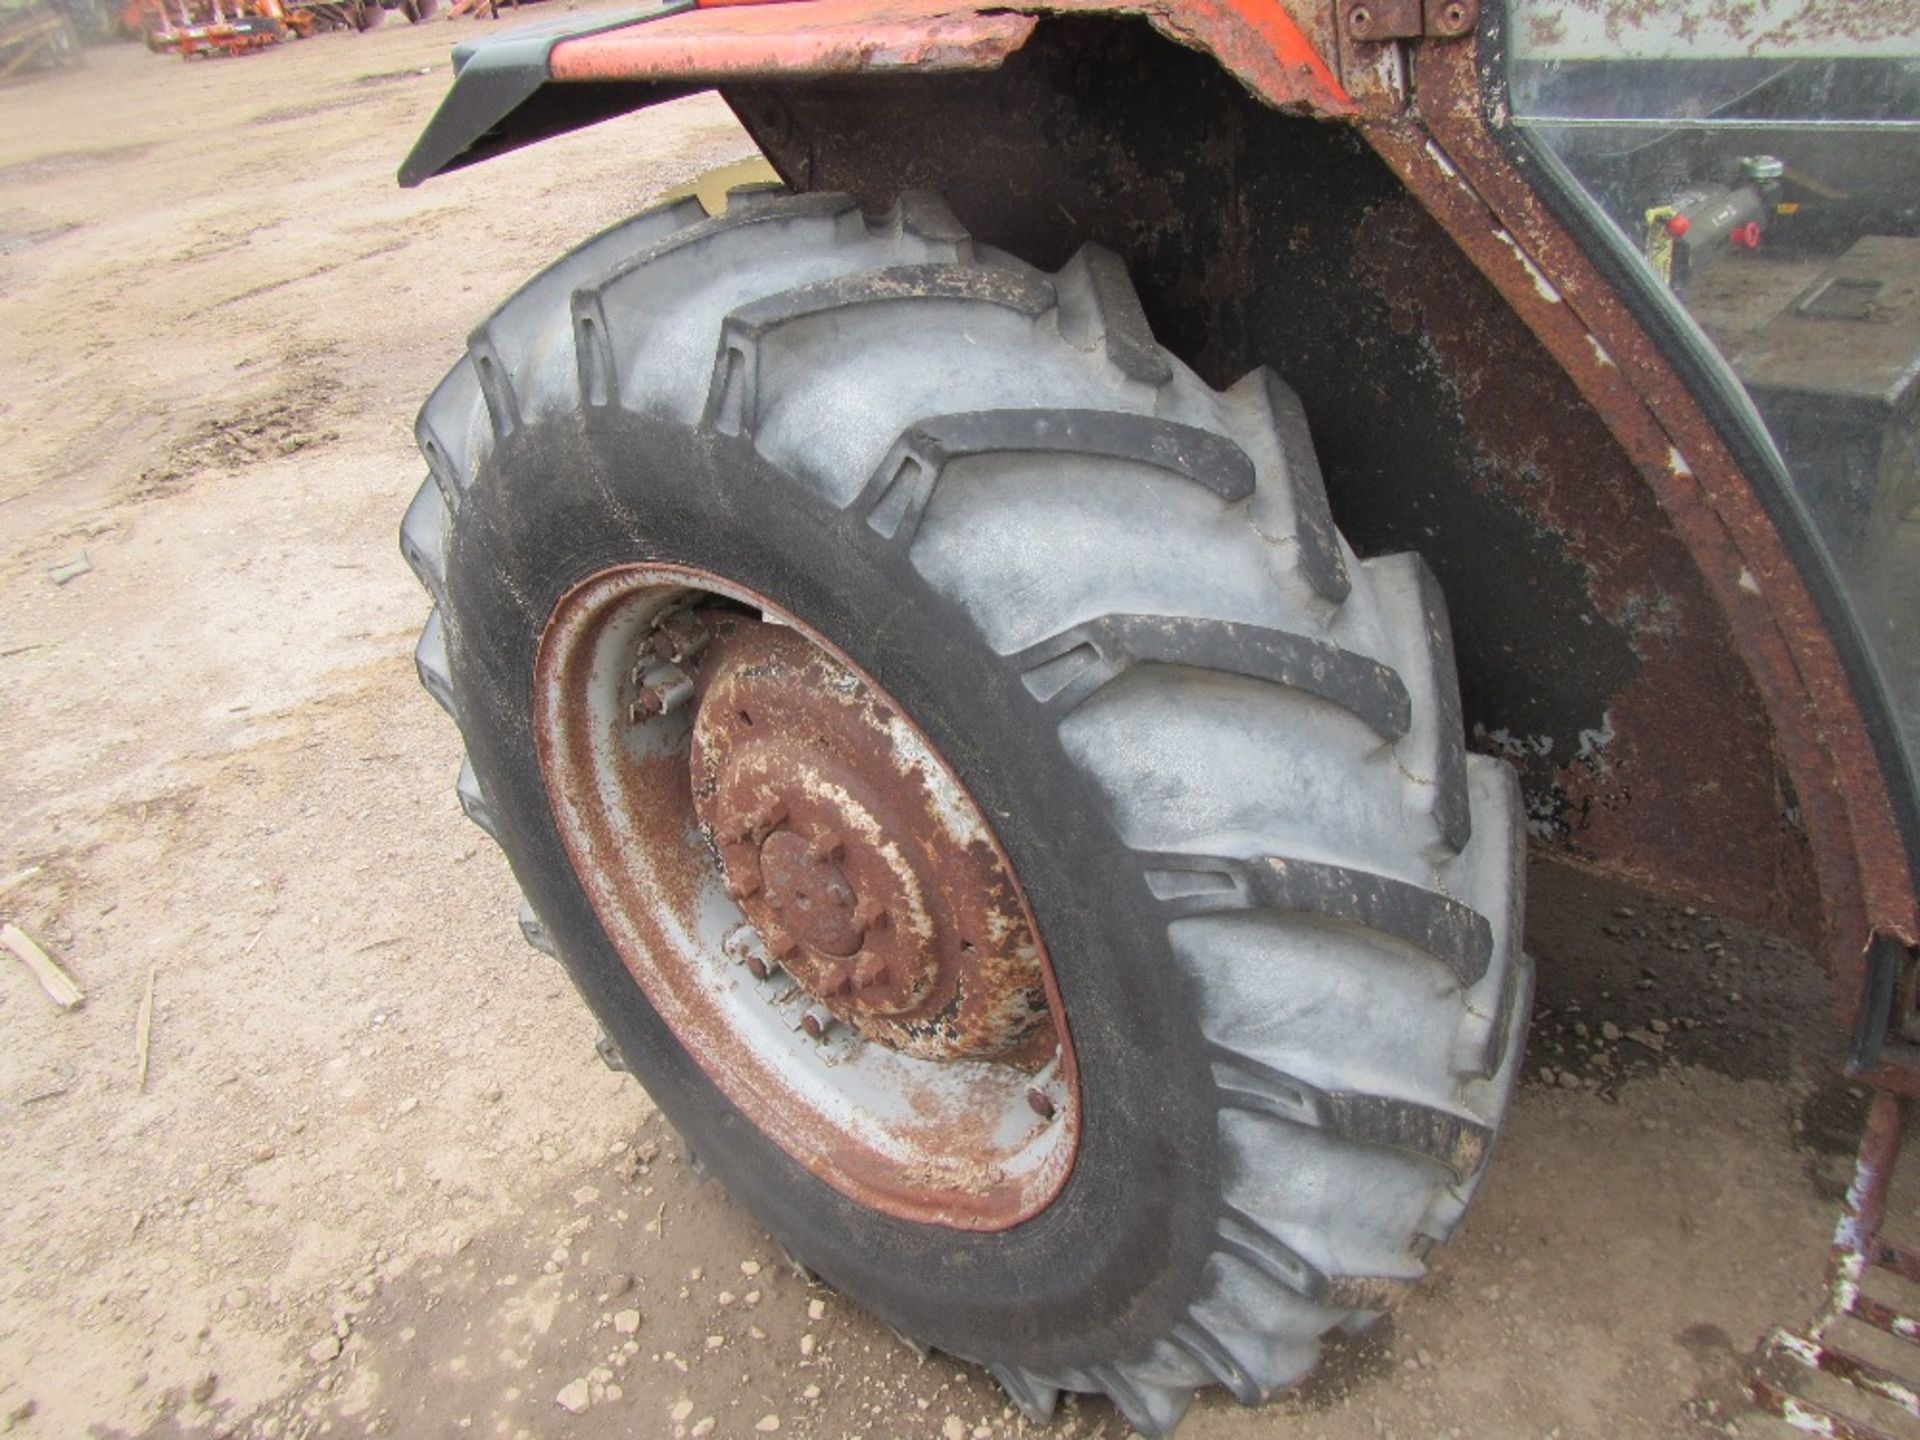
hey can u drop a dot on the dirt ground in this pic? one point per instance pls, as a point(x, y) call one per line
point(377, 1181)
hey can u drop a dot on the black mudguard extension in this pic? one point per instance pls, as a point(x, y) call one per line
point(503, 96)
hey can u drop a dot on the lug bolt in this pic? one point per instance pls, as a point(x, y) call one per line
point(1359, 20)
point(837, 980)
point(679, 636)
point(758, 968)
point(780, 944)
point(741, 883)
point(1040, 1102)
point(662, 688)
point(870, 972)
point(817, 1022)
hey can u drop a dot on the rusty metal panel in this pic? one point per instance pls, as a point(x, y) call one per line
point(817, 37)
point(1260, 41)
point(1448, 158)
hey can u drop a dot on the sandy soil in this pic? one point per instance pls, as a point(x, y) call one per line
point(377, 1181)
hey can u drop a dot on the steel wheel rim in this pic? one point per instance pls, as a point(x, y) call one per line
point(958, 1136)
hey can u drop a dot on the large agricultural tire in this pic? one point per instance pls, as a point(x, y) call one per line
point(1280, 902)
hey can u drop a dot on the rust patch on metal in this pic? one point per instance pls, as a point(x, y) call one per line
point(1618, 803)
point(823, 37)
point(1455, 168)
point(1859, 1246)
point(1276, 49)
point(867, 872)
point(952, 1142)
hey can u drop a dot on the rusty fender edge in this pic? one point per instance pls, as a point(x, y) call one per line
point(533, 83)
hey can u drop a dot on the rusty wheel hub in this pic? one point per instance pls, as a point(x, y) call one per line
point(807, 895)
point(869, 879)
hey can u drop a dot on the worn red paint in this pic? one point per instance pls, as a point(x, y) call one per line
point(806, 37)
point(1258, 40)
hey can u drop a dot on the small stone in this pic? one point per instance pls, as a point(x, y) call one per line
point(714, 1342)
point(324, 1349)
point(1547, 1075)
point(407, 1106)
point(752, 1297)
point(767, 1424)
point(749, 1268)
point(626, 1322)
point(812, 1392)
point(574, 1397)
point(680, 1411)
point(60, 572)
point(492, 1094)
point(237, 1299)
point(1658, 1027)
point(807, 1343)
point(726, 1298)
point(953, 1428)
point(703, 1427)
point(203, 1388)
point(816, 1309)
point(262, 1153)
point(1609, 1031)
point(1569, 1080)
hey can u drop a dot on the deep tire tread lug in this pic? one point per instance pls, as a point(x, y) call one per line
point(1456, 1141)
point(733, 399)
point(1453, 934)
point(1198, 1342)
point(534, 930)
point(472, 801)
point(1356, 683)
point(1032, 1396)
point(916, 459)
point(1152, 1410)
point(599, 375)
point(423, 538)
point(1099, 306)
point(1322, 561)
point(430, 661)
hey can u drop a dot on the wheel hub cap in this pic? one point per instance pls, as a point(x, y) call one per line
point(867, 877)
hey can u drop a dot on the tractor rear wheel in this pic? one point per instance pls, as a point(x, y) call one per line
point(1027, 854)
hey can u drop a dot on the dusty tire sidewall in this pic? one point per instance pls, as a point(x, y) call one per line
point(1111, 1264)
